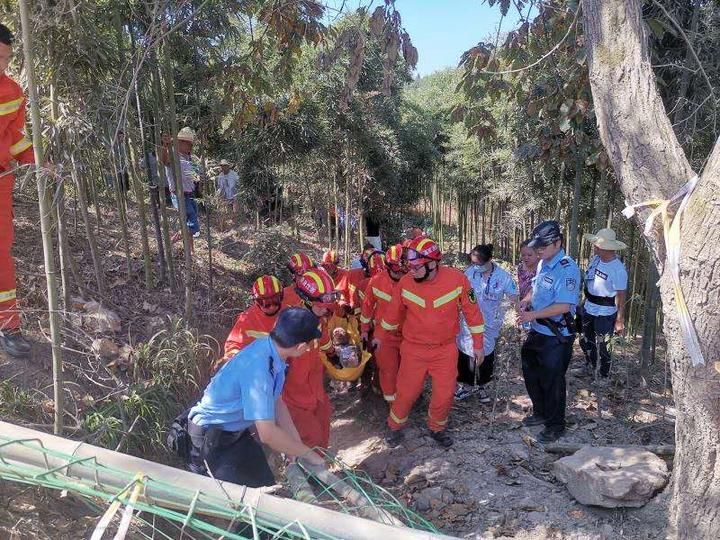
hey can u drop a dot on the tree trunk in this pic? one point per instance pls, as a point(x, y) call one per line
point(650, 164)
point(579, 162)
point(45, 202)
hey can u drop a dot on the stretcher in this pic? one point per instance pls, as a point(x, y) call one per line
point(346, 374)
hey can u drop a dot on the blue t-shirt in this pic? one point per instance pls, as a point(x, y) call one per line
point(244, 390)
point(556, 282)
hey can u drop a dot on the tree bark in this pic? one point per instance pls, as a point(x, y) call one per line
point(649, 163)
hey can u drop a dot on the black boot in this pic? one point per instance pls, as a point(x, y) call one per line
point(393, 437)
point(551, 434)
point(14, 344)
point(443, 438)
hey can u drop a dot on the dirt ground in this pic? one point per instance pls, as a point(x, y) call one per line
point(494, 482)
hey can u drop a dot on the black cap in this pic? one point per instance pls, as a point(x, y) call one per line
point(294, 326)
point(545, 234)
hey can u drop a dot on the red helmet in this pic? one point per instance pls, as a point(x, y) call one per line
point(299, 263)
point(394, 258)
point(266, 287)
point(376, 263)
point(316, 286)
point(425, 249)
point(330, 257)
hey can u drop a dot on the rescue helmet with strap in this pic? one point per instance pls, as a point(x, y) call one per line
point(330, 257)
point(423, 248)
point(317, 287)
point(376, 263)
point(267, 291)
point(394, 258)
point(299, 263)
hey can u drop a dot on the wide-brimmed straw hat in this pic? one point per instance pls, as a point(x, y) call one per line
point(186, 134)
point(605, 239)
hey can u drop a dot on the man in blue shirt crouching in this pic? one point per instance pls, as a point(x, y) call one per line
point(245, 392)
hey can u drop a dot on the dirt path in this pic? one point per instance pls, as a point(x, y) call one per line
point(496, 481)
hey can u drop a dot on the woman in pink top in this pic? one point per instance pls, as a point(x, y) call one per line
point(527, 268)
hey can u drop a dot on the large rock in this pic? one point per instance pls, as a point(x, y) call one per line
point(612, 477)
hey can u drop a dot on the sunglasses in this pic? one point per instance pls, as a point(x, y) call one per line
point(329, 298)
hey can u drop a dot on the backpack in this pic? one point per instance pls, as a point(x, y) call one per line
point(178, 438)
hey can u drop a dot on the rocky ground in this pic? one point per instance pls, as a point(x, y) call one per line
point(494, 482)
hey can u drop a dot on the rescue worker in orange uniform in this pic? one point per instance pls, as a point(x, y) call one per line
point(427, 306)
point(331, 264)
point(256, 321)
point(304, 391)
point(14, 147)
point(378, 294)
point(351, 282)
point(298, 264)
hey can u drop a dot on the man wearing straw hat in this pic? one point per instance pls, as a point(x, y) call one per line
point(603, 312)
point(188, 175)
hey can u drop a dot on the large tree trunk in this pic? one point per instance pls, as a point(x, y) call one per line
point(649, 164)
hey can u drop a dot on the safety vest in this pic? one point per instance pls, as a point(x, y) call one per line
point(14, 145)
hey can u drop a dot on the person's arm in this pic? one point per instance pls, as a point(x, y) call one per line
point(391, 319)
point(283, 441)
point(550, 311)
point(368, 311)
point(21, 148)
point(474, 319)
point(285, 421)
point(620, 298)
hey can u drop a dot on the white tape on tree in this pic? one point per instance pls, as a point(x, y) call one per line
point(671, 236)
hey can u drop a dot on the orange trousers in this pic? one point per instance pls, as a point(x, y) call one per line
point(9, 316)
point(419, 361)
point(387, 358)
point(313, 425)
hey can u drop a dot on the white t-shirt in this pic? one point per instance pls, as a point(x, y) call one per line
point(490, 291)
point(227, 184)
point(604, 279)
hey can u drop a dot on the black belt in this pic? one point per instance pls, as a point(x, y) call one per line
point(599, 300)
point(556, 326)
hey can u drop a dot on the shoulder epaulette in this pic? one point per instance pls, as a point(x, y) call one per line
point(565, 261)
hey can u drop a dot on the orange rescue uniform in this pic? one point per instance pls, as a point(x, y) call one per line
point(14, 146)
point(304, 390)
point(250, 325)
point(349, 285)
point(429, 314)
point(378, 294)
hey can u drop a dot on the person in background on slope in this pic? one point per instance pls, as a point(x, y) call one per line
point(246, 392)
point(227, 182)
point(603, 313)
point(378, 294)
point(526, 269)
point(550, 310)
point(188, 175)
point(14, 147)
point(257, 320)
point(428, 305)
point(492, 285)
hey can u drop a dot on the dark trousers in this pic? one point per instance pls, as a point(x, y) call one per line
point(231, 456)
point(466, 369)
point(597, 330)
point(545, 360)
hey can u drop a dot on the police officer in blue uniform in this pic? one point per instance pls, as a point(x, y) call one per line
point(244, 393)
point(549, 309)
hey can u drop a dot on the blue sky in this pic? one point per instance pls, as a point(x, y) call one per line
point(441, 29)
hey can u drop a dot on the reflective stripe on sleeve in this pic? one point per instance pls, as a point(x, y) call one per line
point(396, 419)
point(256, 334)
point(10, 107)
point(364, 319)
point(389, 327)
point(381, 294)
point(326, 347)
point(479, 329)
point(20, 146)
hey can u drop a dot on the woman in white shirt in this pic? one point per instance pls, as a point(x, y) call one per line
point(606, 282)
point(492, 285)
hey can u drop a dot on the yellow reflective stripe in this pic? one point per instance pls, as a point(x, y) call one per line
point(361, 295)
point(276, 284)
point(261, 286)
point(351, 287)
point(10, 106)
point(438, 422)
point(381, 294)
point(396, 419)
point(445, 298)
point(389, 327)
point(389, 397)
point(422, 243)
point(415, 299)
point(326, 347)
point(479, 329)
point(256, 334)
point(20, 146)
point(364, 319)
point(6, 296)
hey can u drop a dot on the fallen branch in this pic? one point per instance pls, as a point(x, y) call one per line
point(571, 448)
